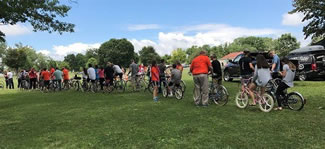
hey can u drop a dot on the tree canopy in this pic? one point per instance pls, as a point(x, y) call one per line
point(117, 51)
point(41, 14)
point(314, 14)
point(148, 54)
point(285, 44)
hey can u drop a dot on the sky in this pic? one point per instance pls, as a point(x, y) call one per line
point(163, 24)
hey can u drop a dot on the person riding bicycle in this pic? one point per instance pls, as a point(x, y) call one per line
point(217, 73)
point(175, 78)
point(91, 73)
point(288, 75)
point(246, 68)
point(179, 66)
point(261, 76)
point(133, 69)
point(109, 72)
point(101, 76)
point(155, 80)
point(118, 71)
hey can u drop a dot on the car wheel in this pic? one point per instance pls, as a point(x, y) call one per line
point(302, 77)
point(226, 76)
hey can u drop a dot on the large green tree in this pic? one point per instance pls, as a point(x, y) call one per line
point(41, 14)
point(148, 54)
point(178, 55)
point(92, 53)
point(15, 58)
point(118, 51)
point(314, 14)
point(285, 44)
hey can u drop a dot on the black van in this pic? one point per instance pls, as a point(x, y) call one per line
point(311, 62)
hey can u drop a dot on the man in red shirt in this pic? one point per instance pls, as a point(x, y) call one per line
point(200, 67)
point(66, 78)
point(46, 75)
point(155, 79)
point(32, 78)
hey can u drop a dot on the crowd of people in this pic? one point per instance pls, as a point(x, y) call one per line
point(201, 66)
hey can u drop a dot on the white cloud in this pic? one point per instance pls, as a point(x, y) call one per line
point(292, 19)
point(210, 34)
point(139, 27)
point(14, 30)
point(45, 52)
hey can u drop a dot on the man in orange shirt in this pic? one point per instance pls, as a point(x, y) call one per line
point(66, 78)
point(46, 75)
point(200, 67)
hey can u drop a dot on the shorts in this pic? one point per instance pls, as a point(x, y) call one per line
point(46, 82)
point(155, 83)
point(109, 81)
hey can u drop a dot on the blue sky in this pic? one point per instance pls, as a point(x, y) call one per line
point(164, 24)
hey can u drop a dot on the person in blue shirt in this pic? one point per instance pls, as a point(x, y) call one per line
point(97, 72)
point(275, 69)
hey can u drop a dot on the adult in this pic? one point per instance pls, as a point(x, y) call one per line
point(6, 79)
point(101, 76)
point(109, 72)
point(217, 73)
point(133, 69)
point(91, 73)
point(162, 77)
point(179, 66)
point(10, 80)
point(246, 67)
point(58, 77)
point(155, 80)
point(288, 74)
point(19, 78)
point(261, 76)
point(52, 70)
point(200, 67)
point(66, 77)
point(275, 68)
point(46, 75)
point(32, 78)
point(97, 72)
point(118, 71)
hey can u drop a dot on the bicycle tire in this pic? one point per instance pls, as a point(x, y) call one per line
point(179, 93)
point(266, 104)
point(241, 100)
point(295, 101)
point(183, 84)
point(223, 96)
point(164, 91)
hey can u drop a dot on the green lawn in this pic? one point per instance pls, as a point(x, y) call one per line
point(132, 120)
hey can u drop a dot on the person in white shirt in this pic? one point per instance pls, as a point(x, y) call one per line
point(91, 73)
point(10, 81)
point(118, 71)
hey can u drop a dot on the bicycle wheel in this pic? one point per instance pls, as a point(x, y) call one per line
point(119, 85)
point(150, 87)
point(164, 90)
point(179, 93)
point(295, 101)
point(266, 103)
point(241, 100)
point(222, 96)
point(183, 85)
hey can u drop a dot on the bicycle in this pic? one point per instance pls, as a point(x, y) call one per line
point(117, 85)
point(24, 85)
point(77, 84)
point(175, 89)
point(293, 100)
point(54, 86)
point(217, 92)
point(265, 102)
point(140, 83)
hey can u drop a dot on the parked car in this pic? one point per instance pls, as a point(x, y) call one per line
point(232, 70)
point(311, 62)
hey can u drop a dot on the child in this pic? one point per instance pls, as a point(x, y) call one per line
point(155, 79)
point(175, 78)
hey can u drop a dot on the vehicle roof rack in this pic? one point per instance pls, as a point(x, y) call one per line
point(308, 49)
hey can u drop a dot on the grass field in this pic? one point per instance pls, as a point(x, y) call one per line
point(132, 120)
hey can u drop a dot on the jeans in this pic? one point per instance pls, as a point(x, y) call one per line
point(280, 92)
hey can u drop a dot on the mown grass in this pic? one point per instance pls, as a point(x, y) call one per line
point(132, 120)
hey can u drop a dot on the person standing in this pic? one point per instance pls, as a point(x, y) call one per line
point(10, 80)
point(155, 80)
point(58, 77)
point(118, 71)
point(109, 72)
point(66, 77)
point(162, 77)
point(46, 75)
point(217, 73)
point(6, 79)
point(200, 67)
point(101, 76)
point(134, 68)
point(275, 69)
point(32, 78)
point(91, 73)
point(246, 68)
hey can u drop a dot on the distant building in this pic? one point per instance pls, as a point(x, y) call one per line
point(224, 60)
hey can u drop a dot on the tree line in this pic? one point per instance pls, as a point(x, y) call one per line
point(121, 52)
